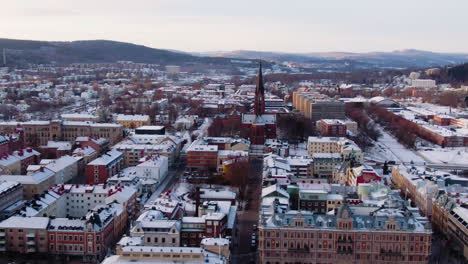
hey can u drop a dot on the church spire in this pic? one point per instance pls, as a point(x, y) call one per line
point(259, 107)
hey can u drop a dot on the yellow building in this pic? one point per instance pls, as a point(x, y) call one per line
point(133, 121)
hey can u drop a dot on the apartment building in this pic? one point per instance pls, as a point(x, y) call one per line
point(133, 121)
point(33, 184)
point(352, 234)
point(89, 236)
point(24, 235)
point(202, 156)
point(10, 193)
point(153, 167)
point(347, 148)
point(155, 230)
point(38, 133)
point(142, 145)
point(104, 167)
point(331, 128)
point(78, 199)
point(316, 106)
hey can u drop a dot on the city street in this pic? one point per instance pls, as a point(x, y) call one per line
point(173, 175)
point(242, 251)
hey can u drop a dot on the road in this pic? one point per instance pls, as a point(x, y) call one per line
point(242, 253)
point(172, 176)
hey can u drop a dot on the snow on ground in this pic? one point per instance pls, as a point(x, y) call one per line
point(388, 148)
point(202, 131)
point(180, 191)
point(446, 155)
point(298, 149)
point(437, 109)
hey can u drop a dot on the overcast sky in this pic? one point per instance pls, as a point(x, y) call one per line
point(267, 25)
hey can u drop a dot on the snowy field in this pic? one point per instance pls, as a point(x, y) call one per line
point(446, 155)
point(388, 148)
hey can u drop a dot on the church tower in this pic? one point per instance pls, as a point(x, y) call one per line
point(259, 107)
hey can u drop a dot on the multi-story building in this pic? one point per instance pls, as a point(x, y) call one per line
point(215, 219)
point(325, 164)
point(414, 184)
point(65, 168)
point(10, 164)
point(331, 128)
point(79, 117)
point(153, 167)
point(361, 174)
point(351, 235)
point(293, 169)
point(129, 250)
point(35, 183)
point(4, 145)
point(10, 193)
point(423, 83)
point(101, 145)
point(202, 156)
point(104, 167)
point(56, 149)
point(316, 106)
point(139, 146)
point(347, 148)
point(313, 200)
point(77, 200)
point(133, 121)
point(38, 133)
point(24, 235)
point(89, 236)
point(156, 230)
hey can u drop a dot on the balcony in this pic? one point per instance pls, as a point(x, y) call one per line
point(31, 243)
point(2, 242)
point(2, 234)
point(31, 235)
point(31, 250)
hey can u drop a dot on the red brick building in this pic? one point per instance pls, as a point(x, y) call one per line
point(90, 236)
point(262, 126)
point(442, 120)
point(202, 156)
point(104, 167)
point(331, 128)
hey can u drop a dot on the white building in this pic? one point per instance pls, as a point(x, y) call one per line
point(65, 168)
point(423, 83)
point(153, 167)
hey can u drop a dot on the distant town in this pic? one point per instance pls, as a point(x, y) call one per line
point(127, 162)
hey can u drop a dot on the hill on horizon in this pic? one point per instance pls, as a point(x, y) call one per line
point(408, 58)
point(21, 52)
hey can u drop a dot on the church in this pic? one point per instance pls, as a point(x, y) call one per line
point(261, 125)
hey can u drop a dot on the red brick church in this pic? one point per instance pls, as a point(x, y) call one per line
point(262, 126)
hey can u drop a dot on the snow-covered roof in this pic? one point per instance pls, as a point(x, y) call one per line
point(107, 158)
point(122, 117)
point(25, 222)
